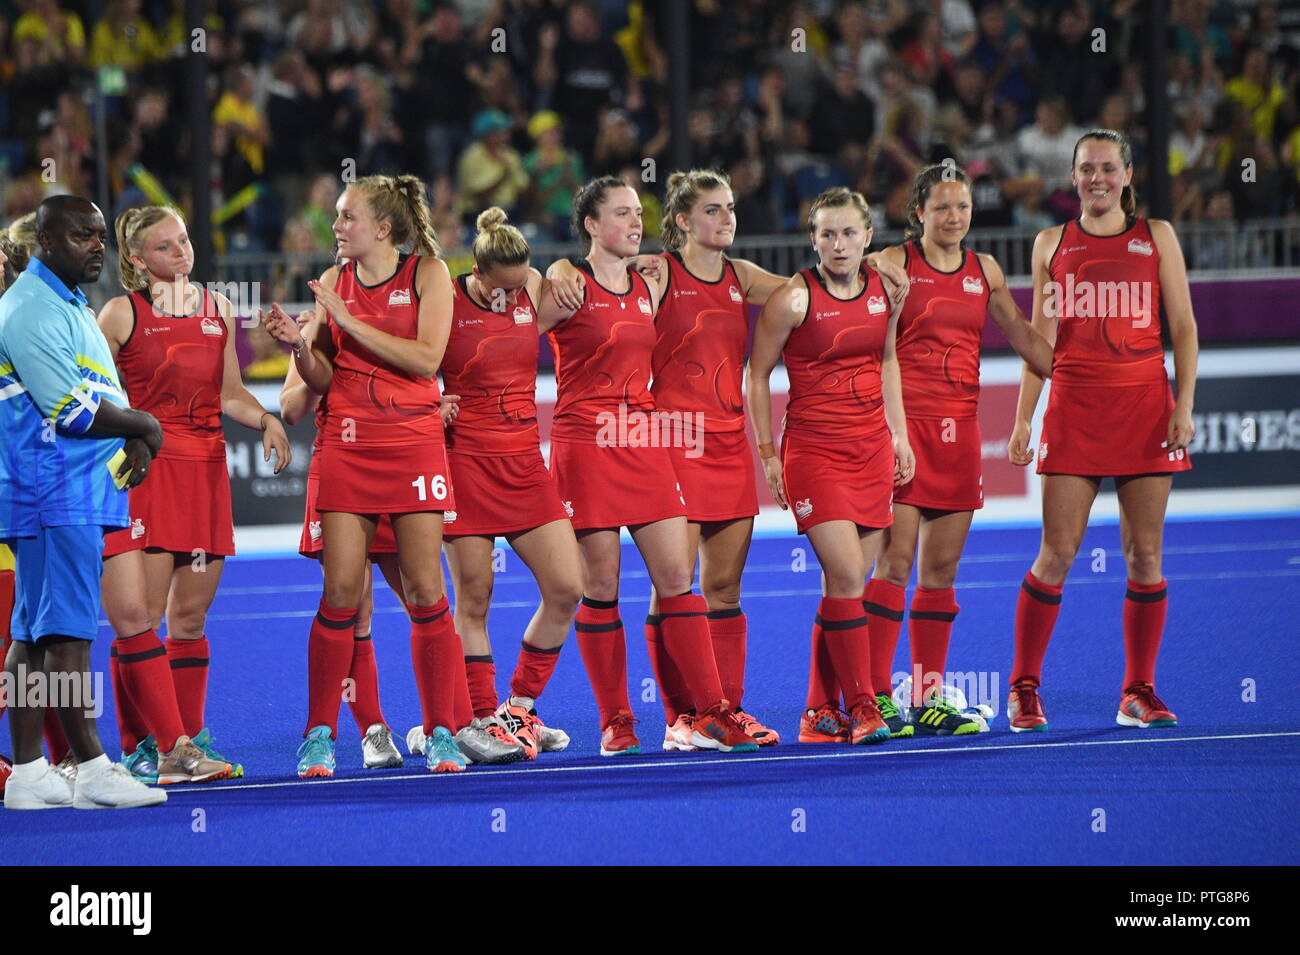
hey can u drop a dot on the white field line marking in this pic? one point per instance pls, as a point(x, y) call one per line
point(623, 763)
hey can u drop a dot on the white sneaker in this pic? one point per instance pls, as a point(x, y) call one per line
point(51, 791)
point(378, 750)
point(67, 768)
point(415, 741)
point(115, 788)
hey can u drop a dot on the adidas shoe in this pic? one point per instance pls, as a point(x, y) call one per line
point(1141, 707)
point(143, 763)
point(1024, 708)
point(826, 724)
point(867, 727)
point(937, 718)
point(619, 738)
point(717, 728)
point(678, 736)
point(763, 735)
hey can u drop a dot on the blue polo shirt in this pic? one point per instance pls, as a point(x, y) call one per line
point(55, 369)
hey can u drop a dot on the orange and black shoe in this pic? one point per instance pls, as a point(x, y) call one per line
point(866, 726)
point(1142, 708)
point(826, 724)
point(619, 738)
point(763, 735)
point(1024, 708)
point(717, 728)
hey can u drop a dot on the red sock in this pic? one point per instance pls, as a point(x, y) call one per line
point(147, 680)
point(189, 664)
point(729, 630)
point(481, 677)
point(604, 654)
point(55, 740)
point(845, 624)
point(686, 639)
point(823, 685)
point(884, 604)
point(439, 663)
point(131, 730)
point(1036, 613)
point(929, 630)
point(672, 688)
point(329, 661)
point(364, 674)
point(533, 671)
point(1144, 624)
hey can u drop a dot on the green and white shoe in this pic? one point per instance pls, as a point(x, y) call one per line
point(937, 718)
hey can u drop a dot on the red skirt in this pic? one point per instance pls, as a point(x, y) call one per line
point(501, 495)
point(384, 541)
point(182, 506)
point(1108, 431)
point(401, 479)
point(948, 476)
point(851, 479)
point(718, 484)
point(606, 487)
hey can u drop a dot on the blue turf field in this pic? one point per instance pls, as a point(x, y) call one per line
point(1218, 789)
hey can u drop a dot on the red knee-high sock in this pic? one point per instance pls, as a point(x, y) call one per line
point(884, 604)
point(481, 676)
point(686, 639)
point(189, 665)
point(364, 674)
point(929, 631)
point(1036, 613)
point(130, 727)
point(604, 654)
point(439, 663)
point(672, 688)
point(55, 740)
point(147, 680)
point(329, 660)
point(1144, 624)
point(823, 685)
point(844, 623)
point(729, 630)
point(533, 671)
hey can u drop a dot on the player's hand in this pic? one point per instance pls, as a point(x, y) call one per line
point(1019, 450)
point(136, 466)
point(448, 408)
point(651, 265)
point(1181, 429)
point(897, 283)
point(332, 302)
point(904, 461)
point(568, 285)
point(775, 481)
point(275, 439)
point(280, 326)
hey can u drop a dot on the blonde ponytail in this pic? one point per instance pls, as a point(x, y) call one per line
point(684, 191)
point(128, 229)
point(498, 242)
point(399, 201)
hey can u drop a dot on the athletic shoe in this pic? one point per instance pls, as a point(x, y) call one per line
point(893, 717)
point(486, 741)
point(1024, 708)
point(549, 739)
point(186, 763)
point(763, 735)
point(515, 720)
point(938, 718)
point(1141, 707)
point(377, 749)
point(116, 788)
point(6, 769)
point(67, 768)
point(316, 754)
point(415, 740)
point(867, 727)
point(678, 736)
point(442, 755)
point(143, 763)
point(826, 724)
point(619, 738)
point(51, 791)
point(204, 742)
point(717, 728)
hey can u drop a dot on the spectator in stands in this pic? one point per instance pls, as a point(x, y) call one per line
point(1227, 247)
point(863, 46)
point(366, 127)
point(1189, 146)
point(124, 38)
point(351, 26)
point(1007, 57)
point(490, 172)
point(57, 33)
point(928, 62)
point(617, 144)
point(1045, 152)
point(843, 114)
point(555, 173)
point(970, 92)
point(270, 361)
point(298, 117)
point(804, 57)
point(1072, 70)
point(897, 89)
point(1195, 35)
point(754, 210)
point(445, 89)
point(175, 40)
point(1188, 82)
point(239, 116)
point(320, 213)
point(1257, 91)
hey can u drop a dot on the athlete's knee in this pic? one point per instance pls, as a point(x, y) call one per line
point(673, 581)
point(129, 620)
point(601, 583)
point(560, 597)
point(1143, 560)
point(474, 597)
point(894, 568)
point(846, 580)
point(187, 623)
point(341, 594)
point(938, 575)
point(722, 593)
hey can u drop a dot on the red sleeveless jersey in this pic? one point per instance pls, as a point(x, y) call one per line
point(833, 360)
point(171, 367)
point(374, 403)
point(603, 357)
point(939, 332)
point(491, 362)
point(699, 357)
point(1105, 293)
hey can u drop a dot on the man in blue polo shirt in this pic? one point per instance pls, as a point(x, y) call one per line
point(64, 418)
